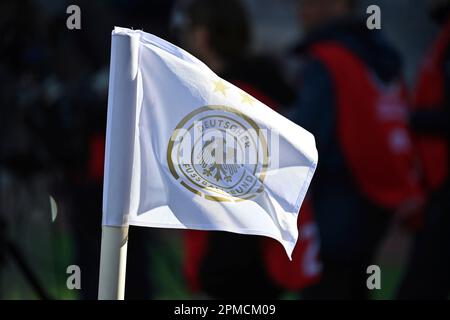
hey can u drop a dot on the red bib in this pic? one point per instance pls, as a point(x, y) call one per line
point(372, 128)
point(429, 94)
point(305, 268)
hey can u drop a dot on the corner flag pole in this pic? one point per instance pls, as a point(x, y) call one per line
point(120, 141)
point(113, 261)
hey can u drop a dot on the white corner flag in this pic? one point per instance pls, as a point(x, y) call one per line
point(186, 149)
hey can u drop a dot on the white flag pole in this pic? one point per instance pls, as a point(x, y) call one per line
point(113, 261)
point(119, 157)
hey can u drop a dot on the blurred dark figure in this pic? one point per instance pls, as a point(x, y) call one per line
point(352, 99)
point(222, 264)
point(23, 68)
point(24, 160)
point(219, 34)
point(428, 272)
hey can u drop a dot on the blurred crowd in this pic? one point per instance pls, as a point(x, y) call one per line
point(382, 142)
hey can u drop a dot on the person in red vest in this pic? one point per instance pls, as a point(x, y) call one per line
point(352, 98)
point(428, 272)
point(228, 265)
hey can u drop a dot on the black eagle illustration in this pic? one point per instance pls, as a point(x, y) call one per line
point(211, 167)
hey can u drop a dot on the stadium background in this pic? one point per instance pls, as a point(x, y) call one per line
point(25, 197)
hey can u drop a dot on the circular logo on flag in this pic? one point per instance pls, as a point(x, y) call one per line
point(218, 153)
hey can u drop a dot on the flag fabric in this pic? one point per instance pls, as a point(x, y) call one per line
point(186, 149)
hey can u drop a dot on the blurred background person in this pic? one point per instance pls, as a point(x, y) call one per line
point(26, 167)
point(428, 272)
point(352, 98)
point(222, 264)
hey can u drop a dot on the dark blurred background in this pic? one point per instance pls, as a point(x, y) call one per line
point(53, 99)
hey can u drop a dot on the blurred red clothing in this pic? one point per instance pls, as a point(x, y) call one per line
point(429, 96)
point(372, 128)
